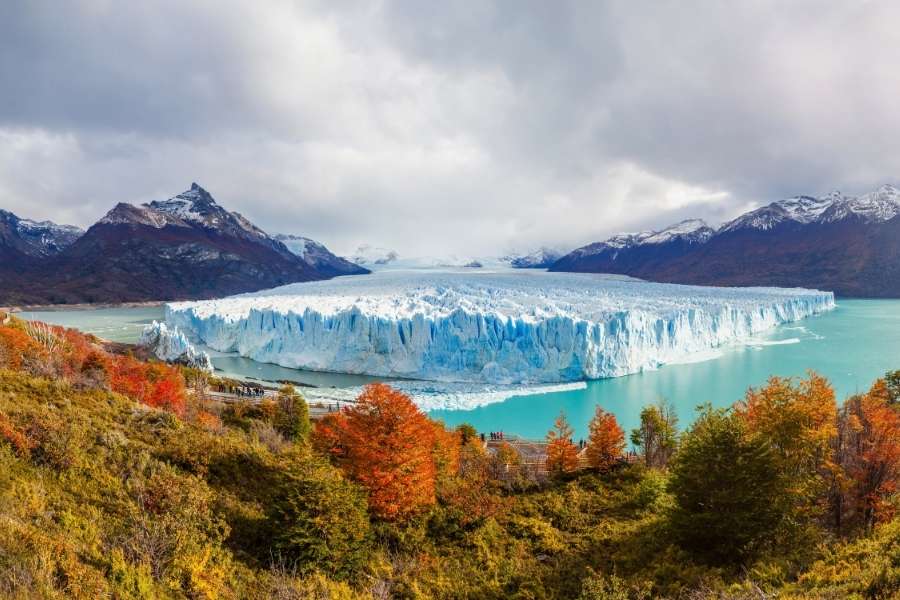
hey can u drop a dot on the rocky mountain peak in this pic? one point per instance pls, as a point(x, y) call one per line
point(36, 238)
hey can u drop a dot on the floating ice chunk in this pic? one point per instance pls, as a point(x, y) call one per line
point(171, 345)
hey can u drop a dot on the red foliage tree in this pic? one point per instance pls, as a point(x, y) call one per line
point(387, 445)
point(606, 441)
point(153, 384)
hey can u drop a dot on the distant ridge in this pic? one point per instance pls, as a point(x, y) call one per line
point(847, 244)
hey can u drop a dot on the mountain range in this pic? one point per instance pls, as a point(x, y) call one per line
point(185, 247)
point(378, 258)
point(846, 244)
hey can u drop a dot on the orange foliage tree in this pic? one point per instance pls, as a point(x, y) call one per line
point(387, 445)
point(798, 421)
point(606, 441)
point(868, 450)
point(16, 347)
point(469, 491)
point(18, 440)
point(562, 453)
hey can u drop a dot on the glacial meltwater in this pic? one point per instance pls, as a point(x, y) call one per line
point(851, 345)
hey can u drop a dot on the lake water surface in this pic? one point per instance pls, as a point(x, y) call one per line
point(852, 346)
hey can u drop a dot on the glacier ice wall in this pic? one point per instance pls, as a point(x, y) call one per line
point(171, 345)
point(494, 327)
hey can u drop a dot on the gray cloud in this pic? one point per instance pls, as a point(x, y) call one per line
point(463, 127)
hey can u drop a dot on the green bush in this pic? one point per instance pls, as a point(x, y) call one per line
point(320, 520)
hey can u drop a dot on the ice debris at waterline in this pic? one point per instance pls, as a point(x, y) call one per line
point(437, 395)
point(171, 345)
point(493, 327)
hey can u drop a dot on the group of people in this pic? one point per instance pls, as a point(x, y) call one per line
point(496, 436)
point(244, 391)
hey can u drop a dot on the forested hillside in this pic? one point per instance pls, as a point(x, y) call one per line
point(122, 479)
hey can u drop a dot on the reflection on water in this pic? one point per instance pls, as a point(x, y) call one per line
point(852, 346)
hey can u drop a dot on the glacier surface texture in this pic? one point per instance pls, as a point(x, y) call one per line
point(492, 327)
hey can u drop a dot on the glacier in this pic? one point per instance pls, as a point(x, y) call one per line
point(171, 345)
point(499, 327)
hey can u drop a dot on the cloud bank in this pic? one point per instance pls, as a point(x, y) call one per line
point(466, 127)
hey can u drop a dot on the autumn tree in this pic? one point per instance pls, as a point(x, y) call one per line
point(467, 434)
point(387, 445)
point(657, 436)
point(562, 453)
point(729, 494)
point(17, 348)
point(470, 494)
point(606, 441)
point(153, 384)
point(868, 450)
point(798, 422)
point(446, 447)
point(504, 463)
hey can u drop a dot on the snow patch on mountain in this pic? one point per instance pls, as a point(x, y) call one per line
point(500, 327)
point(692, 231)
point(298, 244)
point(129, 214)
point(878, 206)
point(40, 238)
point(318, 256)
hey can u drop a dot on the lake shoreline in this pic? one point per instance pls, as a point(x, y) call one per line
point(81, 306)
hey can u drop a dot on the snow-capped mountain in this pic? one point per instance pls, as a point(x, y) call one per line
point(542, 258)
point(367, 255)
point(196, 207)
point(318, 256)
point(185, 247)
point(36, 238)
point(875, 207)
point(691, 231)
point(849, 244)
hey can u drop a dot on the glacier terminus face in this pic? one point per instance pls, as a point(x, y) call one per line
point(487, 326)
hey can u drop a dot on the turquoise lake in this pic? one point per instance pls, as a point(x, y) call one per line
point(852, 346)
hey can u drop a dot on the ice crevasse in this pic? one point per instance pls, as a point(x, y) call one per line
point(495, 327)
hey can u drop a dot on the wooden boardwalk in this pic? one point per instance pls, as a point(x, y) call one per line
point(317, 408)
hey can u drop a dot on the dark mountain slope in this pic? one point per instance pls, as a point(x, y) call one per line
point(849, 245)
point(850, 257)
point(183, 248)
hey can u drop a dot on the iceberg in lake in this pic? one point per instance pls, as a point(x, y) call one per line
point(499, 327)
point(171, 345)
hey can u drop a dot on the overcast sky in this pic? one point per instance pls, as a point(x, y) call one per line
point(446, 127)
